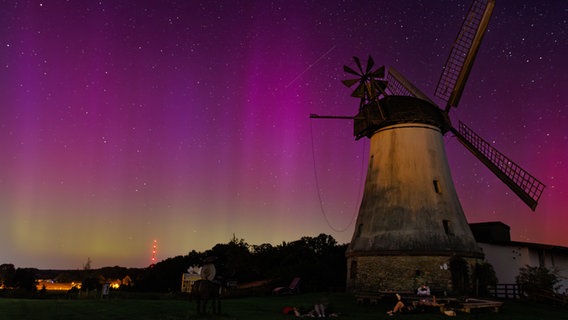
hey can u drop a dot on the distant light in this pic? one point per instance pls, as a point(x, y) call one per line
point(154, 251)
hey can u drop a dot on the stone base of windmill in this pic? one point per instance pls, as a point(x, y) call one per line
point(404, 274)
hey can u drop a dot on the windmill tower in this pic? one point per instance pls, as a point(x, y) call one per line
point(411, 228)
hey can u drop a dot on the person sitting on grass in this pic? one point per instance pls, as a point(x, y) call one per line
point(398, 307)
point(292, 311)
point(319, 311)
point(424, 290)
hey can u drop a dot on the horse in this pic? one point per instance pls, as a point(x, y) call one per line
point(203, 291)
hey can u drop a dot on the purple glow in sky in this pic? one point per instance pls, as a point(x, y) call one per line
point(122, 122)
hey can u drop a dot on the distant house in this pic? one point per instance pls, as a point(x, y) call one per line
point(507, 256)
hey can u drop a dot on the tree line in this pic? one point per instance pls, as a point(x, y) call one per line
point(319, 261)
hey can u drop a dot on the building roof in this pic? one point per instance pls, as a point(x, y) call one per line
point(498, 233)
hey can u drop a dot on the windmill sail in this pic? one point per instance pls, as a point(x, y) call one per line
point(464, 50)
point(398, 85)
point(527, 187)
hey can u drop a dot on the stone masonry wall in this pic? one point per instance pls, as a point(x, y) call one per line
point(400, 273)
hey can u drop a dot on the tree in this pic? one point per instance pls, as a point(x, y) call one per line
point(87, 265)
point(534, 279)
point(7, 275)
point(26, 280)
point(265, 259)
point(234, 259)
point(91, 283)
point(320, 245)
point(164, 276)
point(319, 261)
point(483, 276)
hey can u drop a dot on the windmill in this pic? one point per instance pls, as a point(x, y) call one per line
point(411, 227)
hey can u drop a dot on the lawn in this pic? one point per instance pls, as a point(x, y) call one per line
point(254, 308)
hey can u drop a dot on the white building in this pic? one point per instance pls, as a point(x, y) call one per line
point(507, 256)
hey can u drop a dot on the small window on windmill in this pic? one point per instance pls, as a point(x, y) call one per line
point(437, 186)
point(447, 227)
point(359, 230)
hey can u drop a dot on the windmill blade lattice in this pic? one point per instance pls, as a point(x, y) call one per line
point(454, 75)
point(398, 85)
point(527, 187)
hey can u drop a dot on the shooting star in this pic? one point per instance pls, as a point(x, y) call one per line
point(310, 66)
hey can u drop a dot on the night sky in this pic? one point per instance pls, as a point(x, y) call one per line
point(187, 122)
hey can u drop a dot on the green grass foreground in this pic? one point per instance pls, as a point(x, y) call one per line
point(254, 308)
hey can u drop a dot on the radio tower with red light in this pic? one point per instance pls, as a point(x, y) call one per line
point(154, 250)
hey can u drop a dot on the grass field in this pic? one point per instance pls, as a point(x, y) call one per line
point(254, 308)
